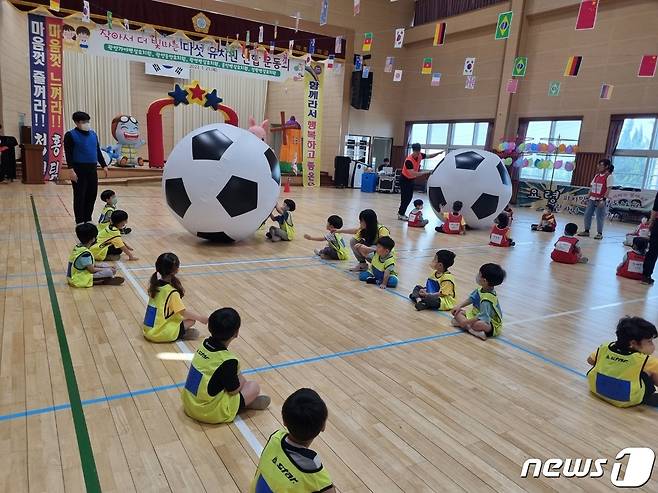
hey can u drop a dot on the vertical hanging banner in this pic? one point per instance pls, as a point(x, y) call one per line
point(314, 81)
point(55, 111)
point(39, 83)
point(587, 15)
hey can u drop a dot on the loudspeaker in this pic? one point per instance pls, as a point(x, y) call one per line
point(341, 171)
point(361, 91)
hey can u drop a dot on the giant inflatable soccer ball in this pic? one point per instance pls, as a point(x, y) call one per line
point(221, 182)
point(477, 178)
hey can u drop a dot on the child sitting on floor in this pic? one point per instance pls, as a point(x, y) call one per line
point(287, 454)
point(624, 373)
point(382, 266)
point(82, 272)
point(453, 222)
point(109, 245)
point(110, 199)
point(632, 264)
point(642, 231)
point(566, 249)
point(416, 215)
point(439, 290)
point(286, 229)
point(499, 235)
point(336, 248)
point(485, 318)
point(215, 390)
point(547, 223)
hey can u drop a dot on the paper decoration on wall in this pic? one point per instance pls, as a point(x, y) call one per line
point(366, 72)
point(587, 14)
point(399, 37)
point(291, 45)
point(276, 29)
point(298, 16)
point(201, 23)
point(469, 65)
point(357, 7)
point(573, 66)
point(504, 25)
point(512, 86)
point(436, 79)
point(427, 66)
point(647, 66)
point(397, 76)
point(260, 34)
point(54, 5)
point(109, 19)
point(358, 62)
point(311, 45)
point(126, 24)
point(330, 62)
point(272, 47)
point(367, 42)
point(606, 91)
point(247, 38)
point(338, 45)
point(85, 11)
point(439, 34)
point(554, 88)
point(388, 68)
point(324, 12)
point(520, 66)
point(470, 82)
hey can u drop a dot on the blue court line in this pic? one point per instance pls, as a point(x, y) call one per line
point(250, 371)
point(540, 356)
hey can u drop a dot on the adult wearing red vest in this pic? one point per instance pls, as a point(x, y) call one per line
point(598, 195)
point(410, 171)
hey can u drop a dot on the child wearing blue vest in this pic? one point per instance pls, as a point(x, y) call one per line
point(81, 271)
point(624, 372)
point(287, 463)
point(382, 265)
point(485, 318)
point(439, 290)
point(215, 390)
point(286, 229)
point(336, 248)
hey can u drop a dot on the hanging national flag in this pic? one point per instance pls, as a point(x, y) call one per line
point(587, 14)
point(367, 42)
point(469, 65)
point(85, 11)
point(109, 19)
point(308, 60)
point(126, 24)
point(427, 66)
point(176, 71)
point(276, 29)
point(324, 12)
point(512, 86)
point(503, 28)
point(366, 72)
point(338, 45)
point(647, 66)
point(439, 34)
point(311, 46)
point(358, 62)
point(54, 5)
point(606, 91)
point(399, 37)
point(291, 45)
point(436, 79)
point(520, 66)
point(272, 47)
point(388, 68)
point(297, 17)
point(260, 34)
point(397, 76)
point(573, 66)
point(330, 62)
point(248, 37)
point(470, 82)
point(357, 7)
point(554, 88)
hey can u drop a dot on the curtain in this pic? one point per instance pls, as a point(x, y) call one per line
point(245, 95)
point(432, 10)
point(99, 86)
point(614, 132)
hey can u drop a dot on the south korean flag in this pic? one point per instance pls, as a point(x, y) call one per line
point(176, 71)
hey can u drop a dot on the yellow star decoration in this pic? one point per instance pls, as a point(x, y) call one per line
point(201, 23)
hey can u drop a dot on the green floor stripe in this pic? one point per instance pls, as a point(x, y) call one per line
point(84, 444)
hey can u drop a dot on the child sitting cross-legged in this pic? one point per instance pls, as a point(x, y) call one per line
point(336, 248)
point(416, 219)
point(439, 290)
point(109, 245)
point(642, 230)
point(633, 263)
point(286, 229)
point(82, 272)
point(499, 235)
point(547, 223)
point(566, 249)
point(382, 265)
point(453, 222)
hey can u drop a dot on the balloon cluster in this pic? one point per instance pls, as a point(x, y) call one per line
point(541, 148)
point(543, 164)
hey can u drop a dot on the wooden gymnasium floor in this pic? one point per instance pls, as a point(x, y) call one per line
point(414, 406)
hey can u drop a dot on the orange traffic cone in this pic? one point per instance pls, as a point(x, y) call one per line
point(286, 187)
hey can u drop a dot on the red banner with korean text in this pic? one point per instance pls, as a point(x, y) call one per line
point(312, 129)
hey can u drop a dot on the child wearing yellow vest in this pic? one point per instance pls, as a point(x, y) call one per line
point(215, 390)
point(439, 290)
point(81, 271)
point(485, 318)
point(624, 373)
point(109, 245)
point(110, 199)
point(166, 318)
point(286, 229)
point(382, 265)
point(365, 238)
point(336, 248)
point(287, 463)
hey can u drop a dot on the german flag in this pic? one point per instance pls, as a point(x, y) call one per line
point(573, 66)
point(427, 66)
point(439, 34)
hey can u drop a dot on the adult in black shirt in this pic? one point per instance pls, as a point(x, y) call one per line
point(652, 254)
point(411, 171)
point(7, 157)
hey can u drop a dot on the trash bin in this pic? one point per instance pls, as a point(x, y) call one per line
point(369, 182)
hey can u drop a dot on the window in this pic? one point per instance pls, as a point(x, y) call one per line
point(636, 157)
point(554, 132)
point(445, 137)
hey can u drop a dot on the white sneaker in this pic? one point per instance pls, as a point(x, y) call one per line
point(317, 252)
point(403, 217)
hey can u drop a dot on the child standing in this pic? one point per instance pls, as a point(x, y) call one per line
point(624, 373)
point(485, 318)
point(215, 390)
point(81, 271)
point(633, 263)
point(110, 199)
point(566, 249)
point(287, 463)
point(336, 248)
point(547, 222)
point(439, 290)
point(166, 318)
point(642, 231)
point(109, 245)
point(453, 222)
point(499, 235)
point(286, 229)
point(416, 215)
point(382, 266)
point(365, 237)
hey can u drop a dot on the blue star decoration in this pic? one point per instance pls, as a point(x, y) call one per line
point(212, 100)
point(179, 95)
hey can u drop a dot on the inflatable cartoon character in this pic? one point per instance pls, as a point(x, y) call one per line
point(125, 130)
point(259, 131)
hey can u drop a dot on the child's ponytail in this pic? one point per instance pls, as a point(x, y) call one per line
point(165, 266)
point(154, 285)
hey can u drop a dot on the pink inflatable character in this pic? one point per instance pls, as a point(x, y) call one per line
point(259, 131)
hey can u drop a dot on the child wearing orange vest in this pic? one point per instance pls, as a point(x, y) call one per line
point(499, 236)
point(566, 249)
point(632, 264)
point(453, 222)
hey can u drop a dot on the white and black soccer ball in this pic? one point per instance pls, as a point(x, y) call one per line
point(221, 182)
point(477, 178)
